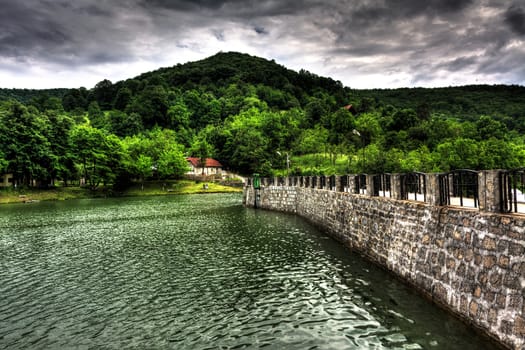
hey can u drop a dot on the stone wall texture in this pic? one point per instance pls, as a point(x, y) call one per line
point(469, 261)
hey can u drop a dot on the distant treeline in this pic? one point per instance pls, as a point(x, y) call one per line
point(27, 95)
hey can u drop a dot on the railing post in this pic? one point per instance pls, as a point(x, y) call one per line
point(395, 186)
point(489, 191)
point(370, 185)
point(351, 183)
point(433, 190)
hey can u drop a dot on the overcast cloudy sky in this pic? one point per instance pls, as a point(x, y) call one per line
point(362, 43)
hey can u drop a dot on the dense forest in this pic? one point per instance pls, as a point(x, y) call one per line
point(254, 116)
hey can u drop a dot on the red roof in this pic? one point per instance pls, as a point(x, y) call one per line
point(210, 162)
point(351, 109)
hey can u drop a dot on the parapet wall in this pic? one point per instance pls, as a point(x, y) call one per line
point(470, 261)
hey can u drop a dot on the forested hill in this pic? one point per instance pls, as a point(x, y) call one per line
point(288, 89)
point(223, 69)
point(253, 114)
point(467, 102)
point(27, 95)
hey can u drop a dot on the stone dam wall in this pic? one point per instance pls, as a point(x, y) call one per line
point(468, 260)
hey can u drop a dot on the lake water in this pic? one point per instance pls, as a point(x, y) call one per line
point(198, 272)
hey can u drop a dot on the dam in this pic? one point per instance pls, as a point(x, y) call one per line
point(458, 238)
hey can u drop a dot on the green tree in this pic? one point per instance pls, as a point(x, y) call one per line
point(122, 99)
point(500, 154)
point(166, 154)
point(417, 160)
point(75, 99)
point(98, 155)
point(487, 127)
point(455, 154)
point(25, 145)
point(57, 133)
point(123, 124)
point(97, 116)
point(246, 148)
point(179, 115)
point(152, 105)
point(201, 148)
point(3, 163)
point(403, 120)
point(311, 140)
point(172, 163)
point(144, 168)
point(103, 94)
point(139, 151)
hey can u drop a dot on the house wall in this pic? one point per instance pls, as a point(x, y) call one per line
point(470, 261)
point(207, 171)
point(6, 180)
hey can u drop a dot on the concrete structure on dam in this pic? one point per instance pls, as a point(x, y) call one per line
point(458, 238)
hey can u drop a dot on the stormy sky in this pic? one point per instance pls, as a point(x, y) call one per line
point(362, 43)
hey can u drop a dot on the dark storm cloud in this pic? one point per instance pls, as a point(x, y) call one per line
point(515, 18)
point(240, 9)
point(381, 13)
point(22, 28)
point(260, 30)
point(459, 64)
point(408, 41)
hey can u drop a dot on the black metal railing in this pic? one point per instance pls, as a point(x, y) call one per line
point(360, 184)
point(414, 186)
point(459, 187)
point(512, 191)
point(382, 185)
point(331, 183)
point(344, 183)
point(322, 181)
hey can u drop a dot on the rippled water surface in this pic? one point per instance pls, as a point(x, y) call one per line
point(198, 272)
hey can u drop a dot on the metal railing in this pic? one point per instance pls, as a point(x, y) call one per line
point(322, 181)
point(512, 191)
point(360, 184)
point(456, 188)
point(331, 183)
point(414, 186)
point(459, 187)
point(344, 184)
point(382, 185)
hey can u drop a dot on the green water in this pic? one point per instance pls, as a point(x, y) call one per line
point(198, 272)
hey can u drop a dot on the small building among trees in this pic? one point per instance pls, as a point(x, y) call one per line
point(6, 180)
point(209, 167)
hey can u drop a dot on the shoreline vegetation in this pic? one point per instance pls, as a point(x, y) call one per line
point(151, 188)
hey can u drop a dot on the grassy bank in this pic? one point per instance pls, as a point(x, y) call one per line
point(150, 189)
point(177, 187)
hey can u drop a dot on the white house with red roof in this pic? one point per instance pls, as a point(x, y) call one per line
point(210, 167)
point(6, 180)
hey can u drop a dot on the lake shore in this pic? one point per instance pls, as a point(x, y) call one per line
point(153, 188)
